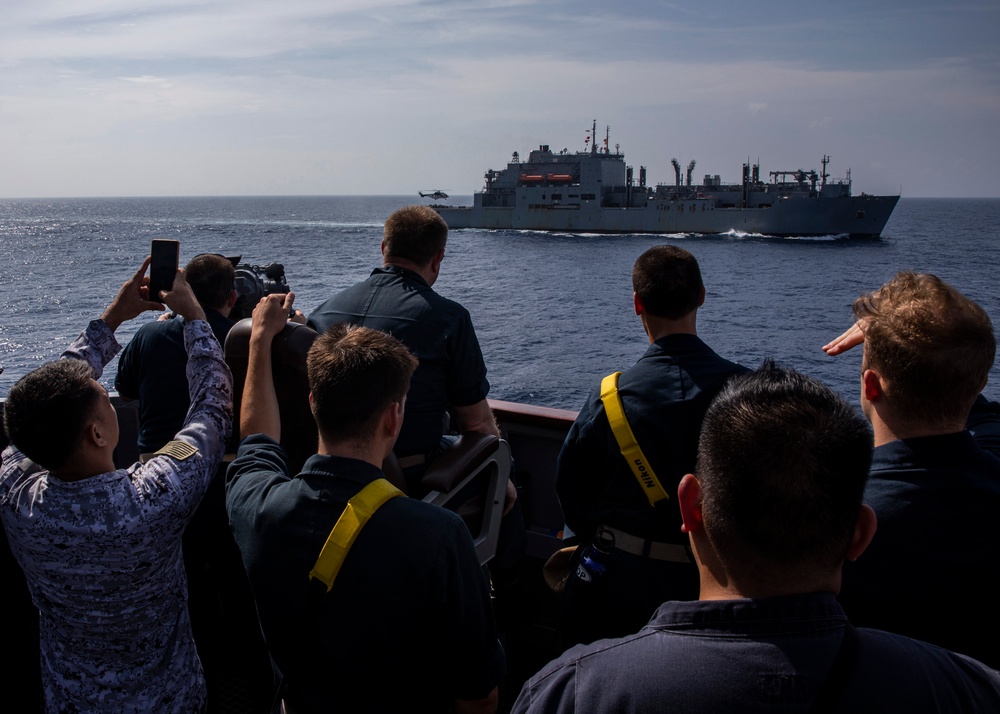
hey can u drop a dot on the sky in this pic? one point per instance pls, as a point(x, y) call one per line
point(389, 97)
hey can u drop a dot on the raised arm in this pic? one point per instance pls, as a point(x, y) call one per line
point(97, 345)
point(259, 410)
point(210, 384)
point(181, 299)
point(132, 300)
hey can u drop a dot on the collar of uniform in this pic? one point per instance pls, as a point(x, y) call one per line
point(925, 451)
point(401, 272)
point(213, 314)
point(354, 470)
point(751, 615)
point(677, 342)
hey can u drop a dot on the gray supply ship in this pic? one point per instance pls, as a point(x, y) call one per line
point(594, 191)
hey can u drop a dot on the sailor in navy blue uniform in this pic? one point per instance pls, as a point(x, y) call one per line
point(664, 397)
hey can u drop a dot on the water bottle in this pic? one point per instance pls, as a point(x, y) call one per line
point(594, 562)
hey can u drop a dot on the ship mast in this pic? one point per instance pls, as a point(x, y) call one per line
point(593, 144)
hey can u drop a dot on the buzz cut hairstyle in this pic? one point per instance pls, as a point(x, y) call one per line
point(668, 281)
point(48, 409)
point(415, 233)
point(933, 347)
point(355, 374)
point(211, 277)
point(783, 462)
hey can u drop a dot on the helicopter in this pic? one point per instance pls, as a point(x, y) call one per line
point(436, 194)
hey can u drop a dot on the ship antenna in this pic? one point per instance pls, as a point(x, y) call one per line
point(593, 144)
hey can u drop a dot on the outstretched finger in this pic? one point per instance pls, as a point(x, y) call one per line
point(142, 270)
point(851, 337)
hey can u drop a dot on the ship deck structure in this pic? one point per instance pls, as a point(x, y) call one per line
point(595, 191)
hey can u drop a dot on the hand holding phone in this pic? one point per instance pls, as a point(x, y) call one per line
point(165, 255)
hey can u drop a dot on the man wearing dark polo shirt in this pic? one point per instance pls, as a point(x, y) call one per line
point(664, 397)
point(407, 623)
point(151, 367)
point(934, 484)
point(398, 298)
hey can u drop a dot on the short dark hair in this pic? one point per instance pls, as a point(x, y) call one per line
point(211, 279)
point(47, 411)
point(355, 373)
point(933, 346)
point(668, 281)
point(783, 462)
point(415, 233)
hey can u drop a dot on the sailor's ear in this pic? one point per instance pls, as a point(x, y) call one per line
point(864, 531)
point(383, 247)
point(233, 297)
point(871, 385)
point(95, 434)
point(689, 501)
point(392, 419)
point(637, 303)
point(701, 297)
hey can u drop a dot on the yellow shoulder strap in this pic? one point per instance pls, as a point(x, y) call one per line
point(345, 531)
point(626, 440)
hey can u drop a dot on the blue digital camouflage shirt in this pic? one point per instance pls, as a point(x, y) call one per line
point(102, 555)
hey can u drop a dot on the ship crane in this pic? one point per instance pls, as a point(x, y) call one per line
point(800, 177)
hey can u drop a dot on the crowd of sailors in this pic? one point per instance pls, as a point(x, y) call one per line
point(737, 539)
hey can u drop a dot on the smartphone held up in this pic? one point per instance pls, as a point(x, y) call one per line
point(165, 255)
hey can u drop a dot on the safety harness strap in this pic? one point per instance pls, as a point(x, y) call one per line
point(345, 531)
point(626, 440)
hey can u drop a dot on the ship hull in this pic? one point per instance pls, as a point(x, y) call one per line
point(855, 216)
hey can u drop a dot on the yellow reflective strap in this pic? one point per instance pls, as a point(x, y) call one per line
point(345, 531)
point(627, 442)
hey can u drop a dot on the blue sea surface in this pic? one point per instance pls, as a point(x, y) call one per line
point(553, 311)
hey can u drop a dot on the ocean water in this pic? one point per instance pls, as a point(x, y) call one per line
point(553, 311)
